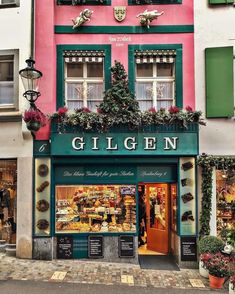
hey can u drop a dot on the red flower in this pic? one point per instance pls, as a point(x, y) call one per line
point(173, 109)
point(152, 109)
point(62, 111)
point(189, 108)
point(83, 109)
point(99, 110)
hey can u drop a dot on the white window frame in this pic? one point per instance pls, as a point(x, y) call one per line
point(15, 104)
point(154, 80)
point(13, 3)
point(84, 80)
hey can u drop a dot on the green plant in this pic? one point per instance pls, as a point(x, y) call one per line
point(218, 265)
point(210, 244)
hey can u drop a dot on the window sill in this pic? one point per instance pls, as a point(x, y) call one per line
point(9, 5)
point(11, 116)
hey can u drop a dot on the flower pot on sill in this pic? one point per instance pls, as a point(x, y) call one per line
point(216, 282)
point(33, 125)
point(203, 271)
point(231, 288)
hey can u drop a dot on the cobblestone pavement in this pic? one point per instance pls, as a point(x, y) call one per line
point(80, 271)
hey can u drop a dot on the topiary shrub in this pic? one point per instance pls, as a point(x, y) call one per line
point(210, 244)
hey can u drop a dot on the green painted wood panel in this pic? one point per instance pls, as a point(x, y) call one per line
point(219, 82)
point(220, 1)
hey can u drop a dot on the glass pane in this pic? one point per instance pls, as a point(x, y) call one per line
point(95, 208)
point(144, 70)
point(157, 198)
point(74, 91)
point(6, 93)
point(74, 69)
point(164, 90)
point(6, 70)
point(95, 70)
point(164, 104)
point(144, 95)
point(165, 69)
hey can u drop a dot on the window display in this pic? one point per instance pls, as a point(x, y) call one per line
point(95, 208)
point(225, 194)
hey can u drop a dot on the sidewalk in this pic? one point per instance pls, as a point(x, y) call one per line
point(80, 271)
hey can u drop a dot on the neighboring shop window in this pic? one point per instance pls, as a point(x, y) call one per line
point(9, 3)
point(225, 194)
point(221, 1)
point(219, 82)
point(141, 2)
point(8, 79)
point(155, 78)
point(8, 200)
point(95, 208)
point(84, 79)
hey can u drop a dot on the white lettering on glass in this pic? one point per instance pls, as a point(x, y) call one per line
point(110, 141)
point(130, 143)
point(78, 143)
point(95, 141)
point(42, 147)
point(170, 143)
point(150, 143)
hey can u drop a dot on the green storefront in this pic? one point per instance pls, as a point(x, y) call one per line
point(87, 188)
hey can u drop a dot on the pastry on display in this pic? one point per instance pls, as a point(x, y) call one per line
point(187, 165)
point(43, 186)
point(42, 205)
point(187, 197)
point(42, 224)
point(43, 170)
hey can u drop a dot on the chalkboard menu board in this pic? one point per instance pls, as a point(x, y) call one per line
point(95, 247)
point(126, 246)
point(188, 249)
point(64, 247)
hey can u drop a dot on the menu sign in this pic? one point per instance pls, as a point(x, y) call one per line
point(188, 249)
point(64, 247)
point(95, 247)
point(126, 246)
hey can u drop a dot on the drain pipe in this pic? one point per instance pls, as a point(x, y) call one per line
point(32, 29)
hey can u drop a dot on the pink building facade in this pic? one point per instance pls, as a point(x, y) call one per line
point(75, 62)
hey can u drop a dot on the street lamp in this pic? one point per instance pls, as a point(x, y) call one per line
point(30, 77)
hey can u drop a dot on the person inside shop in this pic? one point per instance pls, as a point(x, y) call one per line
point(142, 214)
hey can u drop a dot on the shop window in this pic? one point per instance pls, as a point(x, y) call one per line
point(84, 79)
point(83, 2)
point(9, 3)
point(225, 194)
point(82, 75)
point(8, 79)
point(142, 2)
point(219, 82)
point(100, 208)
point(8, 188)
point(155, 78)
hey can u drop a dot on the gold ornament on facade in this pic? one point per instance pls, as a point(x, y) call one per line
point(84, 16)
point(147, 17)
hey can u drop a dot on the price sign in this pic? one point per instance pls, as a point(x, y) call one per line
point(126, 246)
point(95, 247)
point(188, 249)
point(64, 247)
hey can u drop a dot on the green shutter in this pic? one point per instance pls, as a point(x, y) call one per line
point(220, 1)
point(219, 82)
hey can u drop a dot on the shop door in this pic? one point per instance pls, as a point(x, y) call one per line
point(157, 217)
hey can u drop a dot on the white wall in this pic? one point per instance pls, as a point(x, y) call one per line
point(15, 33)
point(214, 27)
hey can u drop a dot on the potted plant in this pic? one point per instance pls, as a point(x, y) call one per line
point(208, 244)
point(232, 284)
point(34, 119)
point(218, 266)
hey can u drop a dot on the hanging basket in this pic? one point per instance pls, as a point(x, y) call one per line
point(33, 125)
point(216, 282)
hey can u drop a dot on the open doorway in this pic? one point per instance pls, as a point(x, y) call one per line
point(157, 218)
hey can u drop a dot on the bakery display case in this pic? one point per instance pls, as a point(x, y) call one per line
point(225, 194)
point(95, 208)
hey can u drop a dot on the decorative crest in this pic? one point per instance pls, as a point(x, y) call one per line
point(119, 13)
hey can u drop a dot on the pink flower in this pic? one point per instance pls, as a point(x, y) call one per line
point(84, 109)
point(173, 109)
point(62, 111)
point(189, 108)
point(152, 109)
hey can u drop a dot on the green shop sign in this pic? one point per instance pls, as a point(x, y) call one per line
point(88, 144)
